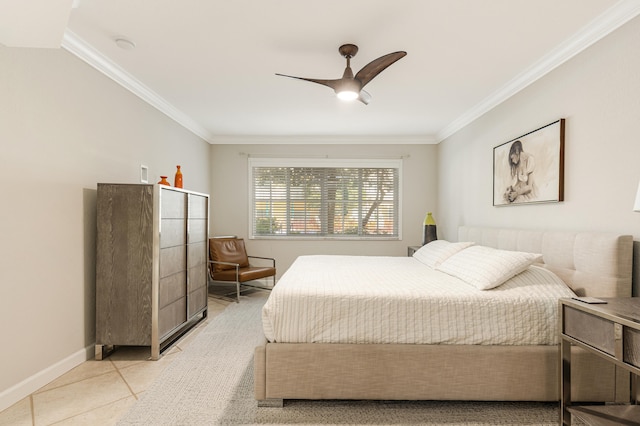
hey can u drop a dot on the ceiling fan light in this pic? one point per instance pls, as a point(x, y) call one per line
point(348, 89)
point(348, 95)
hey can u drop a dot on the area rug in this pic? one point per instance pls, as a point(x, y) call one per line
point(211, 383)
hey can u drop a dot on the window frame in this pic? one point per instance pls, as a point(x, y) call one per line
point(395, 163)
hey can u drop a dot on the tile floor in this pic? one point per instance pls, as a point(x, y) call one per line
point(99, 392)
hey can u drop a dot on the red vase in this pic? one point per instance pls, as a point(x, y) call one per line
point(164, 181)
point(178, 180)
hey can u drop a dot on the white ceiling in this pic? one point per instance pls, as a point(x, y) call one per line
point(211, 64)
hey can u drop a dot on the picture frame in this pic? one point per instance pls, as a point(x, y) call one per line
point(529, 169)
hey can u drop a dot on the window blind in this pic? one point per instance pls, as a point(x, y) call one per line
point(325, 202)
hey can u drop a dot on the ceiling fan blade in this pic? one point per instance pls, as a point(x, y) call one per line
point(364, 97)
point(348, 87)
point(329, 83)
point(375, 67)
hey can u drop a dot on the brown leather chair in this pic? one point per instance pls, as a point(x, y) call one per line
point(229, 262)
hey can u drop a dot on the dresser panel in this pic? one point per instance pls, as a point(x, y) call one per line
point(123, 264)
point(173, 204)
point(172, 288)
point(197, 300)
point(631, 347)
point(198, 206)
point(173, 232)
point(172, 260)
point(197, 277)
point(197, 254)
point(172, 316)
point(197, 230)
point(590, 329)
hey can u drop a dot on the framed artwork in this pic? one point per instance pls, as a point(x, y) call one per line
point(530, 168)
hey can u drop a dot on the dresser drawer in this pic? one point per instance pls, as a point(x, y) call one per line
point(198, 206)
point(173, 232)
point(631, 346)
point(590, 329)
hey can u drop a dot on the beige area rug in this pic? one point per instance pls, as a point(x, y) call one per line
point(211, 383)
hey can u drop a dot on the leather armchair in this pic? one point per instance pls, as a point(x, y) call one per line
point(229, 262)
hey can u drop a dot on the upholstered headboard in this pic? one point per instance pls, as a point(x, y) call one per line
point(591, 263)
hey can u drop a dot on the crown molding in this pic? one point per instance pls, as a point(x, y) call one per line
point(322, 140)
point(613, 18)
point(90, 55)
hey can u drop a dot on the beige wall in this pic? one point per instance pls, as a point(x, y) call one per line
point(63, 128)
point(230, 208)
point(598, 93)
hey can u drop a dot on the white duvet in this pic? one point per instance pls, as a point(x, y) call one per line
point(371, 299)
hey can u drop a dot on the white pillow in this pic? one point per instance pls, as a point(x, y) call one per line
point(485, 267)
point(434, 253)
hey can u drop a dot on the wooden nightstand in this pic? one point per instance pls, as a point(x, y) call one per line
point(412, 249)
point(610, 331)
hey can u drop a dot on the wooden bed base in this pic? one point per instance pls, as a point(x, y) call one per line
point(592, 264)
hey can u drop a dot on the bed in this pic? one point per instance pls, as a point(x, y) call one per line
point(346, 356)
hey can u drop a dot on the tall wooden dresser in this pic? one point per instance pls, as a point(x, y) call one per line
point(151, 265)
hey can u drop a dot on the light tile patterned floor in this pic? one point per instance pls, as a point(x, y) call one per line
point(99, 392)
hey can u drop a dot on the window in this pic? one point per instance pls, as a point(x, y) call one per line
point(321, 198)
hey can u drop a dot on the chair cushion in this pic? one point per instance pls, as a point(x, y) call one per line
point(230, 250)
point(245, 274)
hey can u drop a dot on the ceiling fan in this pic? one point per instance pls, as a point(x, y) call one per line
point(348, 87)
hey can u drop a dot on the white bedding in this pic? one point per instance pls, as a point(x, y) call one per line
point(370, 299)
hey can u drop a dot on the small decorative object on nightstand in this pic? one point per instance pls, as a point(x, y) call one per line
point(429, 232)
point(610, 329)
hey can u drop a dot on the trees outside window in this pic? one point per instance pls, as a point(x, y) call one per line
point(350, 200)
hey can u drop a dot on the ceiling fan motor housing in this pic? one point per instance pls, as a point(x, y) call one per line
point(348, 50)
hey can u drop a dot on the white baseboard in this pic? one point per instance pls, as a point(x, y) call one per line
point(21, 390)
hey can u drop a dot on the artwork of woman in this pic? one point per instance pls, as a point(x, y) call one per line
point(529, 169)
point(522, 170)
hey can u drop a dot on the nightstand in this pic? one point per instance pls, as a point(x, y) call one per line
point(610, 331)
point(412, 249)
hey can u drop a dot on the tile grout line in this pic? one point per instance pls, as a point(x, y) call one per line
point(88, 411)
point(33, 410)
point(32, 402)
point(179, 347)
point(123, 379)
point(39, 391)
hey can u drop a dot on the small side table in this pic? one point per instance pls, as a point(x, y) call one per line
point(610, 331)
point(412, 249)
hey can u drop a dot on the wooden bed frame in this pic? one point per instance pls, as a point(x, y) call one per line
point(592, 264)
